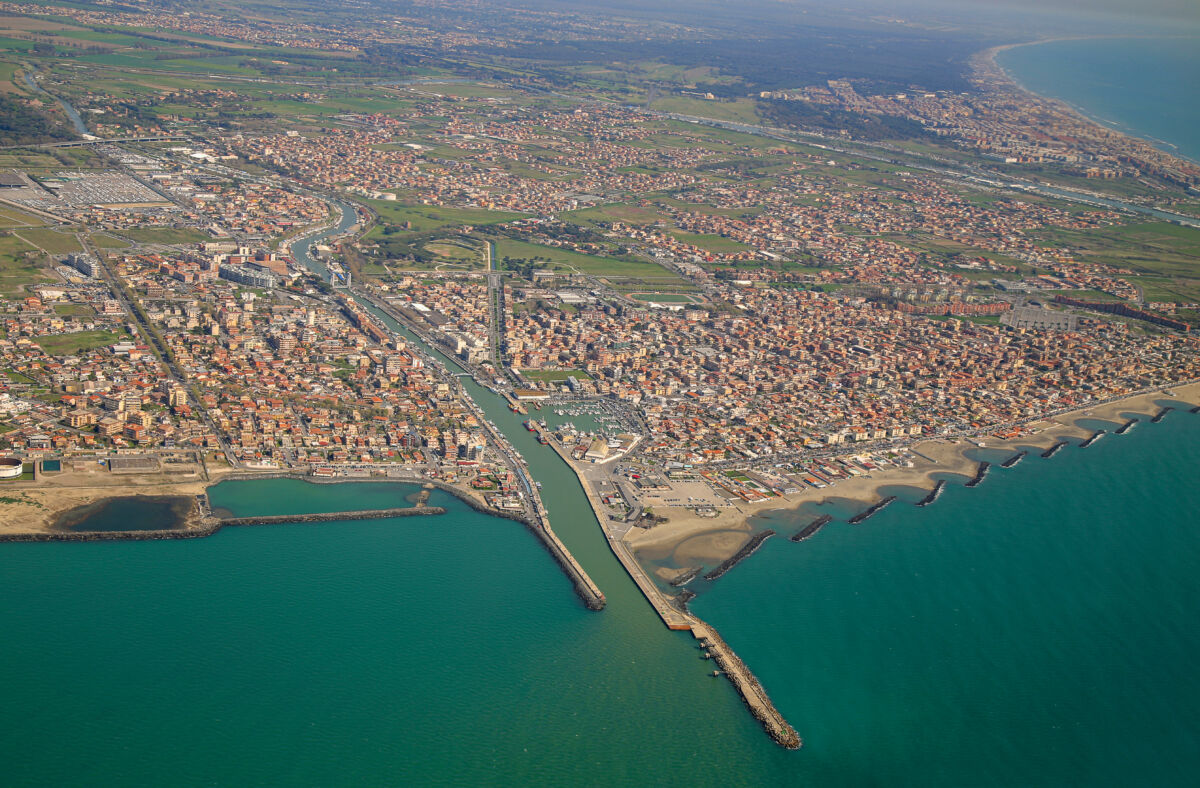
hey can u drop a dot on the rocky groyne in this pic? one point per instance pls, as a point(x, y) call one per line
point(810, 530)
point(1126, 427)
point(745, 552)
point(1159, 416)
point(1095, 436)
point(1055, 449)
point(934, 494)
point(861, 516)
point(1013, 460)
point(980, 474)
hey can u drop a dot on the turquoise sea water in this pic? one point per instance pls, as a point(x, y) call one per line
point(1037, 630)
point(1147, 87)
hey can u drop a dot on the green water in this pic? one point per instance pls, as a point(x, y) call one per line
point(143, 513)
point(1036, 630)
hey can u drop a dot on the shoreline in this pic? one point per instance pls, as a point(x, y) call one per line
point(988, 57)
point(693, 540)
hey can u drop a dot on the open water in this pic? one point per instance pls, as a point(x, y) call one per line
point(1036, 630)
point(1146, 87)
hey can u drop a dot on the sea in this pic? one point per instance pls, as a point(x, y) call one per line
point(1145, 87)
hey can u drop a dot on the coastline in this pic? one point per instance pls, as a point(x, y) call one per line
point(692, 539)
point(985, 64)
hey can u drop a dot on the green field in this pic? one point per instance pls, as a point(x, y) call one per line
point(11, 217)
point(103, 241)
point(166, 235)
point(717, 244)
point(664, 298)
point(15, 269)
point(51, 241)
point(566, 260)
point(71, 344)
point(424, 218)
point(554, 375)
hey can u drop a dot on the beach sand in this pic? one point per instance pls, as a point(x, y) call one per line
point(689, 539)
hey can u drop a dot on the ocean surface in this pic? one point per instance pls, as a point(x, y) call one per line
point(1036, 630)
point(1146, 87)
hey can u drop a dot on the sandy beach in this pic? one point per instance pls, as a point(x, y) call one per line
point(690, 539)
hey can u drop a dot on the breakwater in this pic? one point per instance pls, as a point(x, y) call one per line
point(861, 516)
point(1126, 427)
point(200, 527)
point(1095, 436)
point(934, 494)
point(686, 577)
point(327, 517)
point(1055, 449)
point(980, 474)
point(747, 685)
point(1013, 460)
point(810, 530)
point(745, 552)
point(1159, 416)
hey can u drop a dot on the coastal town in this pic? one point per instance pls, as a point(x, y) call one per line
point(265, 275)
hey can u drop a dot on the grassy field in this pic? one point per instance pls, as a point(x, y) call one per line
point(563, 259)
point(108, 242)
point(70, 344)
point(716, 244)
point(664, 298)
point(51, 241)
point(456, 250)
point(628, 214)
point(554, 375)
point(424, 218)
point(166, 235)
point(740, 110)
point(13, 218)
point(15, 270)
point(73, 310)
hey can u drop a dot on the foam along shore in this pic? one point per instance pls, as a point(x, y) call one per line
point(690, 539)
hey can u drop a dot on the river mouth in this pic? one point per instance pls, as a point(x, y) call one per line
point(131, 513)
